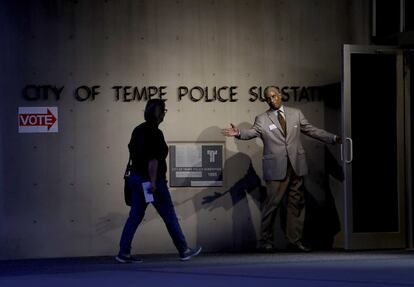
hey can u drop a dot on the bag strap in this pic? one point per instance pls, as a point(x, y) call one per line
point(128, 167)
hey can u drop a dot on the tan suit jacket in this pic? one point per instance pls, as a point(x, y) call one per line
point(277, 148)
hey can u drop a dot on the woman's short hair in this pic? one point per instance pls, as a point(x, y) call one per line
point(151, 108)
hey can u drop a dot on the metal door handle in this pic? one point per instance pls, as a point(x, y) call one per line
point(351, 150)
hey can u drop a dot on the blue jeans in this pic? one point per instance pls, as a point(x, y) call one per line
point(164, 206)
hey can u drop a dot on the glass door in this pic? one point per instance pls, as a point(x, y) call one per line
point(373, 147)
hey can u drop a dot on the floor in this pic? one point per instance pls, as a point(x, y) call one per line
point(334, 268)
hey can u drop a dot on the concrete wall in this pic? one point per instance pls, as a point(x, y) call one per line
point(61, 193)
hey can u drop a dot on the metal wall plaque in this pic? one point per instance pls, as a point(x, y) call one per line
point(196, 164)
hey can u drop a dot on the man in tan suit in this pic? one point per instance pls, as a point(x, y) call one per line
point(284, 164)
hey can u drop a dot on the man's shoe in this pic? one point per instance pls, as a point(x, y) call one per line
point(266, 249)
point(186, 255)
point(122, 258)
point(301, 247)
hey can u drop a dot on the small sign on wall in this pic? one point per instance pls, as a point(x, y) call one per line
point(38, 119)
point(196, 164)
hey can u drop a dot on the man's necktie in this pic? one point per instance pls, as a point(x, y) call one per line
point(282, 122)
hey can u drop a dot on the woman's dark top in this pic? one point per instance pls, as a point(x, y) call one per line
point(147, 143)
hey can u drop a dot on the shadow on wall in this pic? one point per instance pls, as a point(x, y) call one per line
point(322, 222)
point(111, 221)
point(241, 180)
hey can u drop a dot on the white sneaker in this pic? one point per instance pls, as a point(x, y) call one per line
point(186, 255)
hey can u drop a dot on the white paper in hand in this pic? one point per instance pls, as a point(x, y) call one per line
point(149, 197)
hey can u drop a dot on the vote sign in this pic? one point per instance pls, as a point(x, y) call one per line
point(38, 119)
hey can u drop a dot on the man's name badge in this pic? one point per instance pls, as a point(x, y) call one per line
point(272, 127)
